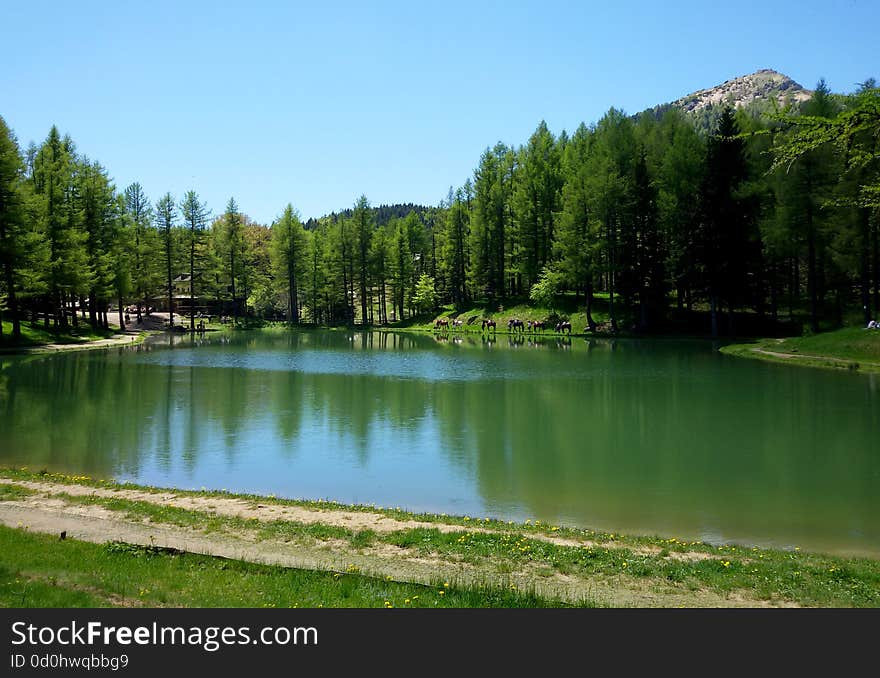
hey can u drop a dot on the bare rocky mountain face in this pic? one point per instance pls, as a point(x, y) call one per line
point(759, 93)
point(765, 85)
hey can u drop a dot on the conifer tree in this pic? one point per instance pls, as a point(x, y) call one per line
point(166, 216)
point(194, 214)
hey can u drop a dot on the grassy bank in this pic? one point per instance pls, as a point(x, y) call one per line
point(38, 570)
point(36, 339)
point(568, 308)
point(36, 334)
point(487, 556)
point(849, 348)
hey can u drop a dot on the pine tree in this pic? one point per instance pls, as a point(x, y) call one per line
point(166, 216)
point(574, 245)
point(724, 218)
point(538, 180)
point(139, 213)
point(195, 215)
point(363, 226)
point(289, 257)
point(12, 224)
point(55, 193)
point(234, 244)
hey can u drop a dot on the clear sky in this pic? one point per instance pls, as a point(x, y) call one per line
point(316, 103)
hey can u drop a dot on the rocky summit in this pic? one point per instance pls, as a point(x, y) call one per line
point(765, 85)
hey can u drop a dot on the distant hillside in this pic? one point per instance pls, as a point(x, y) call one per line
point(381, 214)
point(759, 91)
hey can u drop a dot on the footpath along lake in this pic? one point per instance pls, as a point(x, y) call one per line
point(659, 437)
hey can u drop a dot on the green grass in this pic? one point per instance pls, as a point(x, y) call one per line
point(13, 492)
point(398, 513)
point(852, 348)
point(36, 334)
point(807, 579)
point(568, 307)
point(42, 571)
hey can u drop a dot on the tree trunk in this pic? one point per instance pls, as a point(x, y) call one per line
point(811, 278)
point(713, 301)
point(12, 301)
point(192, 282)
point(610, 234)
point(93, 309)
point(773, 299)
point(864, 265)
point(876, 269)
point(232, 274)
point(588, 293)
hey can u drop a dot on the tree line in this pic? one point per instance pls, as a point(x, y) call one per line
point(774, 214)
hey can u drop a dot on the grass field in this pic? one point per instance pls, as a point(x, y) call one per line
point(569, 308)
point(485, 555)
point(852, 348)
point(36, 334)
point(39, 570)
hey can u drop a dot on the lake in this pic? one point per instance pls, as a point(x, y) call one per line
point(659, 437)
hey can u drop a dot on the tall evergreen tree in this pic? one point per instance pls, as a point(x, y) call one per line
point(454, 249)
point(810, 180)
point(98, 209)
point(493, 181)
point(53, 180)
point(194, 214)
point(724, 218)
point(166, 216)
point(363, 226)
point(380, 255)
point(289, 257)
point(574, 244)
point(12, 223)
point(234, 243)
point(144, 274)
point(536, 203)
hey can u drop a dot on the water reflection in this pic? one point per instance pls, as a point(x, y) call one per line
point(667, 438)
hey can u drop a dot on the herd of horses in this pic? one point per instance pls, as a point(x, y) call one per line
point(513, 325)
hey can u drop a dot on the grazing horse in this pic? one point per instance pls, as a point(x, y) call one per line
point(457, 323)
point(562, 326)
point(515, 324)
point(536, 325)
point(488, 323)
point(441, 322)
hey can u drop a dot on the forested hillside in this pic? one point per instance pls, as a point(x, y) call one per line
point(773, 213)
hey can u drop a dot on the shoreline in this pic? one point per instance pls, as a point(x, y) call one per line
point(558, 563)
point(124, 339)
point(765, 350)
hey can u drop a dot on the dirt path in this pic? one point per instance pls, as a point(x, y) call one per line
point(47, 510)
point(842, 361)
point(249, 509)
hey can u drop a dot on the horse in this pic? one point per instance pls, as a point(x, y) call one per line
point(515, 324)
point(535, 325)
point(488, 323)
point(562, 326)
point(441, 322)
point(457, 323)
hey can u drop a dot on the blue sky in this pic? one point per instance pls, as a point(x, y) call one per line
point(318, 103)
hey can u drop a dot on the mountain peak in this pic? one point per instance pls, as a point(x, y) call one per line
point(764, 85)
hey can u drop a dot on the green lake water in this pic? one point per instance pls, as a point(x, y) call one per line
point(658, 437)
